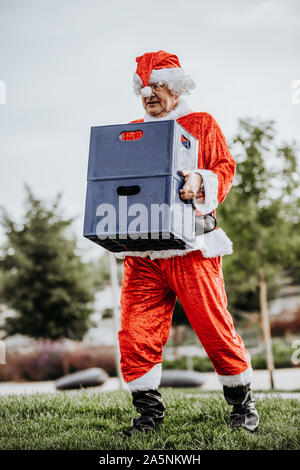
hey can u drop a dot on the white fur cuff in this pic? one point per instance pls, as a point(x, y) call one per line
point(148, 381)
point(236, 380)
point(210, 181)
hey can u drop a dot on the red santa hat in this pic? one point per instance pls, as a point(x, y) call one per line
point(160, 67)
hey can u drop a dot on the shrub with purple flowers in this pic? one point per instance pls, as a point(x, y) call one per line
point(49, 360)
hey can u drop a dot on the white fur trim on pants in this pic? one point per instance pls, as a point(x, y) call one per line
point(236, 380)
point(148, 381)
point(211, 183)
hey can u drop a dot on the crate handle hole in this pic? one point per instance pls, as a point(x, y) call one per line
point(131, 135)
point(128, 190)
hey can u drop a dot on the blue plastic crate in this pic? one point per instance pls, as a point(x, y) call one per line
point(127, 175)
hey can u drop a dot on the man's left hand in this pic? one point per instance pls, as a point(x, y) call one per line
point(192, 183)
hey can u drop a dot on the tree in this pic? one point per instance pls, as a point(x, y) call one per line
point(261, 214)
point(100, 271)
point(43, 278)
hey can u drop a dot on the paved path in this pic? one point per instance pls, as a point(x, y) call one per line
point(285, 379)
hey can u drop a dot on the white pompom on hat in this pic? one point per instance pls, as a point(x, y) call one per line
point(160, 67)
point(146, 91)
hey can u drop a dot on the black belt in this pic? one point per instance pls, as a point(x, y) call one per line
point(205, 223)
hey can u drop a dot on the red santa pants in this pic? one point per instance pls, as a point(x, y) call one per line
point(149, 292)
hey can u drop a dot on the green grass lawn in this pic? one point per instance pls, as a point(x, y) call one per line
point(90, 420)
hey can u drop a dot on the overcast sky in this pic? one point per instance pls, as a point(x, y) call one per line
point(68, 65)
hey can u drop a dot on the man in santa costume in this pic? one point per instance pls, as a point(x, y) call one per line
point(152, 280)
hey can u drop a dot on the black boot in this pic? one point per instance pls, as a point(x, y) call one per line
point(243, 413)
point(151, 408)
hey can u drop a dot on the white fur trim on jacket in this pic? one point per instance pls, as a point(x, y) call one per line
point(216, 243)
point(210, 181)
point(236, 380)
point(212, 244)
point(148, 381)
point(178, 82)
point(182, 109)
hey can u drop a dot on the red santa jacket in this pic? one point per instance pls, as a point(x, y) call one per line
point(217, 168)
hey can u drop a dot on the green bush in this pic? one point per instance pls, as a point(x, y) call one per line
point(282, 353)
point(50, 360)
point(201, 364)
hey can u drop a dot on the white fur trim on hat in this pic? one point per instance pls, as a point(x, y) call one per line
point(137, 84)
point(175, 78)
